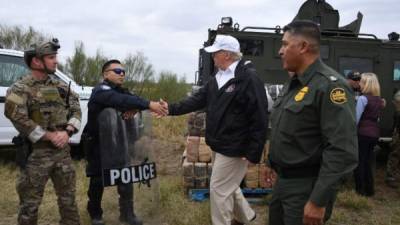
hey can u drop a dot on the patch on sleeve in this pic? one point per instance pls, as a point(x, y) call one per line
point(338, 96)
point(10, 109)
point(15, 99)
point(105, 87)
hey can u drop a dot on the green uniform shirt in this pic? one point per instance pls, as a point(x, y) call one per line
point(314, 124)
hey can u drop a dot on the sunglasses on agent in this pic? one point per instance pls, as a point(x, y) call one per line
point(118, 71)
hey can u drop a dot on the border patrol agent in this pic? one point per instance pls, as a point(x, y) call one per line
point(46, 112)
point(110, 94)
point(314, 135)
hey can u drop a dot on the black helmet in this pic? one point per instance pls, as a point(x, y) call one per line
point(40, 50)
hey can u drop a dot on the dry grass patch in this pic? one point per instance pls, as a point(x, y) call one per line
point(351, 200)
point(178, 210)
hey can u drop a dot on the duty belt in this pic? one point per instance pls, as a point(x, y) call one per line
point(43, 144)
point(300, 172)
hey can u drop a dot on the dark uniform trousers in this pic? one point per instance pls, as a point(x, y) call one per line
point(95, 194)
point(289, 198)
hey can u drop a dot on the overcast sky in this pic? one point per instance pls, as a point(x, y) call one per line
point(170, 32)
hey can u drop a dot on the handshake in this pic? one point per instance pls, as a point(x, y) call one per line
point(159, 109)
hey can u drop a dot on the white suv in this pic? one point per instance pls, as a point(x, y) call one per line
point(12, 67)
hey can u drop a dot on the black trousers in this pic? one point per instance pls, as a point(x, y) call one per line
point(363, 174)
point(95, 194)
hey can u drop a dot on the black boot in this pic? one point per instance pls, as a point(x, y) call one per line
point(127, 214)
point(97, 221)
point(95, 194)
point(391, 181)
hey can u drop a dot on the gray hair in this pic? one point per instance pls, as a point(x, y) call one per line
point(235, 55)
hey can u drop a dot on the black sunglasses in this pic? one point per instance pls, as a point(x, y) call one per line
point(117, 71)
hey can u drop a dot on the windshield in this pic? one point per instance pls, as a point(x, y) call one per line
point(11, 69)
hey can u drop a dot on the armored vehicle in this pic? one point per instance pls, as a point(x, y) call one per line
point(343, 48)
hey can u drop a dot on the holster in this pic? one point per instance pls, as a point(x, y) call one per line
point(23, 150)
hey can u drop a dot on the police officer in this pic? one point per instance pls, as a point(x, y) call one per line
point(313, 139)
point(110, 94)
point(47, 113)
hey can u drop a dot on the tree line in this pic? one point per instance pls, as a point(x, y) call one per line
point(85, 69)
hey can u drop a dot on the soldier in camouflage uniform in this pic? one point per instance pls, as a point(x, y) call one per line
point(393, 163)
point(47, 113)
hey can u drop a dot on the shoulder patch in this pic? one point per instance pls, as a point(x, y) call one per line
point(247, 62)
point(105, 87)
point(338, 96)
point(15, 99)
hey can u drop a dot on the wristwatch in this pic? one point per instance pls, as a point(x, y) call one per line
point(69, 132)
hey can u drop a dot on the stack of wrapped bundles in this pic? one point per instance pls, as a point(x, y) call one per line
point(197, 159)
point(197, 163)
point(255, 174)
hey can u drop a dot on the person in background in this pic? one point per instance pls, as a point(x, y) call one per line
point(393, 163)
point(368, 109)
point(353, 79)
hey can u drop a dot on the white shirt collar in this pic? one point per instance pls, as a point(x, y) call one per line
point(231, 68)
point(223, 76)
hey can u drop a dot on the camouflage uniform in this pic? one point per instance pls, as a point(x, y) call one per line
point(34, 107)
point(393, 163)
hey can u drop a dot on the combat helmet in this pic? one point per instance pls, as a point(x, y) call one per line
point(40, 50)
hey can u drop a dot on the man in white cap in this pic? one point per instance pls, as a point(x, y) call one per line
point(236, 126)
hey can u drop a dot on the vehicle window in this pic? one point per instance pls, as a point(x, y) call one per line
point(11, 69)
point(396, 71)
point(362, 65)
point(252, 47)
point(274, 90)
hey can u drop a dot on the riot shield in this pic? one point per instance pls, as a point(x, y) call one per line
point(126, 158)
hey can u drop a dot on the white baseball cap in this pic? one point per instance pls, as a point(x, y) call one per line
point(224, 42)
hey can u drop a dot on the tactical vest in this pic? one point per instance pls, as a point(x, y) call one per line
point(47, 106)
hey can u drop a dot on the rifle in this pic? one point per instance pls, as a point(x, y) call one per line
point(68, 94)
point(24, 149)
